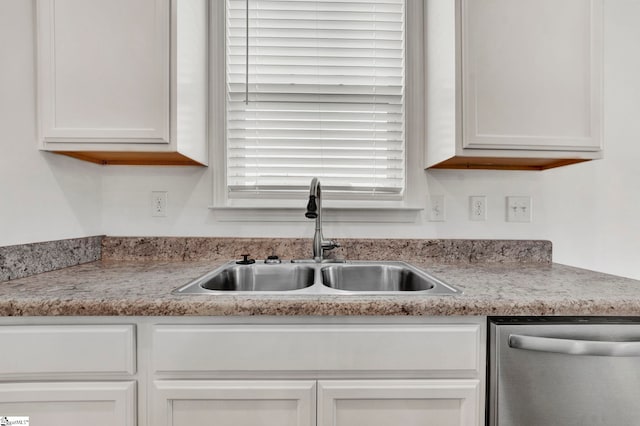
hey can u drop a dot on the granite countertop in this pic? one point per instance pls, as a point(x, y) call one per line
point(125, 287)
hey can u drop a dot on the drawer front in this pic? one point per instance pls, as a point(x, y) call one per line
point(202, 348)
point(63, 349)
point(70, 403)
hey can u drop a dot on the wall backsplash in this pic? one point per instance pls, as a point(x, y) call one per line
point(20, 261)
point(440, 251)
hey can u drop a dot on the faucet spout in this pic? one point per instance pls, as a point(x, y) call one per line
point(314, 211)
point(313, 207)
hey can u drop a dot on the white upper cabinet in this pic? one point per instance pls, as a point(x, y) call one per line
point(513, 84)
point(123, 81)
point(104, 69)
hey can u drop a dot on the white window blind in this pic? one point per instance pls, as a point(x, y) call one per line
point(323, 96)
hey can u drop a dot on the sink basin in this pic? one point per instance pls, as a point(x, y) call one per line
point(346, 277)
point(374, 278)
point(387, 277)
point(255, 277)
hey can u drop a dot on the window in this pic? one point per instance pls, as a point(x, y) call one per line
point(232, 201)
point(321, 95)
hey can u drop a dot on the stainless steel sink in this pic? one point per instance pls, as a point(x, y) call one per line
point(383, 278)
point(376, 277)
point(347, 277)
point(257, 277)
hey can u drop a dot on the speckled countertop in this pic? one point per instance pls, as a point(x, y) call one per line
point(117, 287)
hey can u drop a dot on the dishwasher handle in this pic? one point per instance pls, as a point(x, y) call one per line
point(574, 347)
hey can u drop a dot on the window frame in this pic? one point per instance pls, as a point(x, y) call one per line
point(261, 209)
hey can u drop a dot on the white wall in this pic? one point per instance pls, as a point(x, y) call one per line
point(42, 196)
point(591, 211)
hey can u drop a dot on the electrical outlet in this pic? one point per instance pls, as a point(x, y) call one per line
point(478, 208)
point(519, 209)
point(436, 209)
point(159, 203)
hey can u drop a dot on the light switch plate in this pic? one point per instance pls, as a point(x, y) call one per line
point(519, 209)
point(436, 209)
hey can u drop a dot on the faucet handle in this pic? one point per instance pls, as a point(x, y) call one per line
point(330, 245)
point(245, 260)
point(273, 259)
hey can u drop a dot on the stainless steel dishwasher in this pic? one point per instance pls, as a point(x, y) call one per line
point(564, 372)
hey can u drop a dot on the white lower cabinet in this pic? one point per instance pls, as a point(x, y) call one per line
point(235, 403)
point(70, 403)
point(356, 373)
point(398, 402)
point(70, 374)
point(338, 402)
point(260, 371)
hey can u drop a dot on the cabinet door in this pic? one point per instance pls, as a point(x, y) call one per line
point(70, 404)
point(398, 402)
point(234, 403)
point(532, 74)
point(103, 70)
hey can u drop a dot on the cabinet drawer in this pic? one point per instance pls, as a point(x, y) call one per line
point(63, 349)
point(70, 403)
point(202, 348)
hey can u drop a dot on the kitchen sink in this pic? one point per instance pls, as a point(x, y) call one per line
point(346, 277)
point(259, 277)
point(383, 278)
point(375, 277)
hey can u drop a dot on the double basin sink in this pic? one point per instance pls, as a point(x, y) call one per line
point(349, 277)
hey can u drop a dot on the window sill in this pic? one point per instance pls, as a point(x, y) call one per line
point(329, 214)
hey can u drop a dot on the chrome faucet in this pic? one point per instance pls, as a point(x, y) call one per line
point(314, 211)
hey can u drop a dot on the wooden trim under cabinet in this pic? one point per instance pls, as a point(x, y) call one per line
point(132, 158)
point(497, 163)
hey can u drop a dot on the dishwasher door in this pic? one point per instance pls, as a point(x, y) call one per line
point(564, 374)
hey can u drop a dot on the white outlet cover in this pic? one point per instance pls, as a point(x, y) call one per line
point(159, 203)
point(478, 208)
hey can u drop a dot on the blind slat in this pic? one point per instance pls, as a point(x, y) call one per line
point(316, 62)
point(294, 108)
point(297, 24)
point(333, 43)
point(257, 52)
point(299, 145)
point(324, 5)
point(316, 34)
point(317, 98)
point(318, 89)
